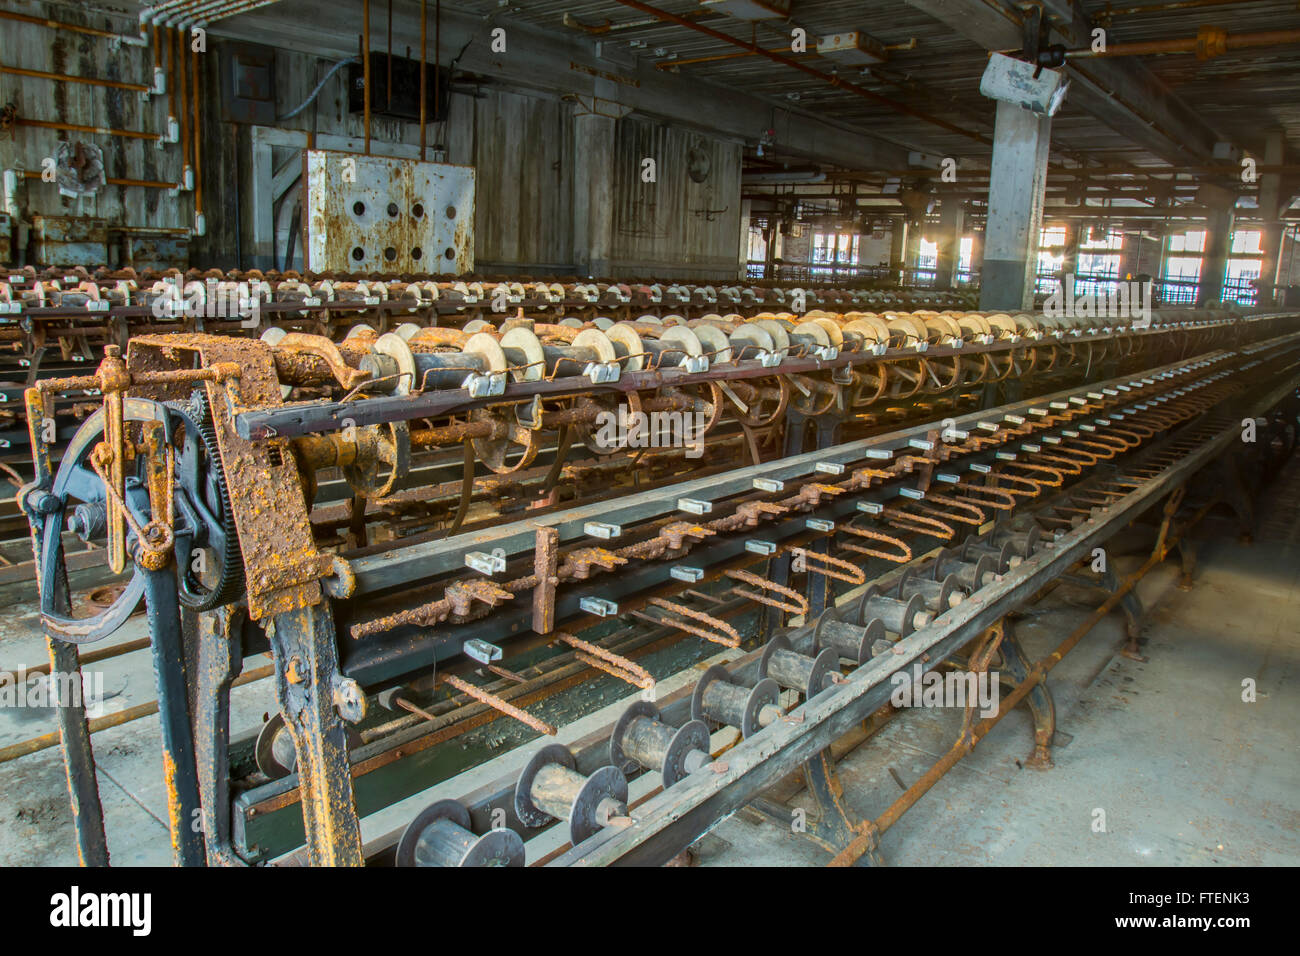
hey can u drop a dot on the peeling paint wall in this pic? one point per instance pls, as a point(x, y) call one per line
point(521, 144)
point(32, 47)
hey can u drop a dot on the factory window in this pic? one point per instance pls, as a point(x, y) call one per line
point(835, 255)
point(1051, 255)
point(927, 262)
point(756, 254)
point(827, 244)
point(965, 253)
point(1096, 272)
point(1245, 262)
point(1182, 272)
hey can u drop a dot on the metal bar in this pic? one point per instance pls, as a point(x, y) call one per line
point(180, 772)
point(303, 643)
point(784, 60)
point(67, 78)
point(428, 558)
point(671, 821)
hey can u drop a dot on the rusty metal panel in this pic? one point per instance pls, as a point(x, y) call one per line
point(160, 249)
point(381, 214)
point(70, 240)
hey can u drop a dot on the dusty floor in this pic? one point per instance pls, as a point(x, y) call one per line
point(1184, 770)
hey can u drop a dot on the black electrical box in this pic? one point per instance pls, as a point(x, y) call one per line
point(247, 84)
point(405, 100)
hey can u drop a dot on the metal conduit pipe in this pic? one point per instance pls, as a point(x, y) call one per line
point(804, 68)
point(232, 7)
point(1209, 42)
point(140, 40)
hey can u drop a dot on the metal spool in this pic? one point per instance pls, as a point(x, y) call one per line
point(441, 835)
point(714, 341)
point(1000, 555)
point(939, 596)
point(1023, 543)
point(719, 698)
point(808, 675)
point(900, 617)
point(524, 352)
point(551, 789)
point(851, 641)
point(971, 575)
point(274, 751)
point(749, 339)
point(682, 345)
point(780, 337)
point(642, 740)
point(811, 336)
point(628, 345)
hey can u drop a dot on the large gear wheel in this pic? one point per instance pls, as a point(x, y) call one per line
point(212, 573)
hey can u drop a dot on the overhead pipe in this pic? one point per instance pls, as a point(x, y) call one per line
point(87, 80)
point(232, 7)
point(187, 173)
point(93, 130)
point(1208, 43)
point(61, 25)
point(200, 224)
point(798, 174)
point(833, 80)
point(1111, 12)
point(365, 68)
point(718, 57)
point(424, 50)
point(112, 181)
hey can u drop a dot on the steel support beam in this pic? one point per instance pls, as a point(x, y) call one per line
point(1123, 94)
point(566, 64)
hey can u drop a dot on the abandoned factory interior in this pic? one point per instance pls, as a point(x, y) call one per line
point(686, 433)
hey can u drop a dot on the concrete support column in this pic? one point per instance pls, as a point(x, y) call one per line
point(1074, 232)
point(952, 221)
point(1218, 234)
point(911, 250)
point(898, 231)
point(1015, 219)
point(593, 193)
point(976, 252)
point(1272, 190)
point(746, 209)
point(1270, 240)
point(1130, 254)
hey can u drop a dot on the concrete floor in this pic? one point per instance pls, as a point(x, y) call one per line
point(1184, 770)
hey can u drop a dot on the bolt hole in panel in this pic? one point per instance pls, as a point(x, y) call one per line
point(355, 221)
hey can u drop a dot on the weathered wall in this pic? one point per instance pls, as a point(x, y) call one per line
point(521, 144)
point(674, 226)
point(32, 47)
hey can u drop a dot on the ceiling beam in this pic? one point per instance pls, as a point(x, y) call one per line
point(561, 64)
point(1123, 94)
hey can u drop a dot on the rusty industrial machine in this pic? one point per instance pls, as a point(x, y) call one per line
point(457, 530)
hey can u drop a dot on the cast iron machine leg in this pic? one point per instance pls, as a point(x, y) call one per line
point(308, 683)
